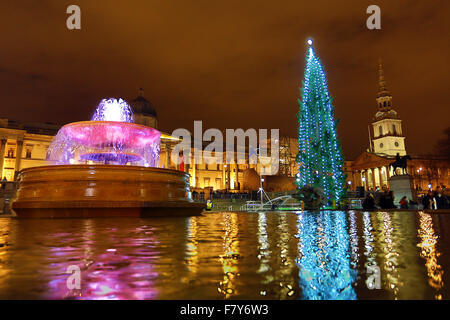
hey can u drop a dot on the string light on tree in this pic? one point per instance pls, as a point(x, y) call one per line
point(320, 156)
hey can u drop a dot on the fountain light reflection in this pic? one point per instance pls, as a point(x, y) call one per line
point(368, 246)
point(229, 259)
point(428, 251)
point(390, 253)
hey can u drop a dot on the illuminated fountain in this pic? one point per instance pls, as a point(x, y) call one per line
point(103, 168)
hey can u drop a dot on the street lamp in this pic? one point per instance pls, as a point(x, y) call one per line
point(261, 189)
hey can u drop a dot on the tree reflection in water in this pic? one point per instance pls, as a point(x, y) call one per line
point(325, 257)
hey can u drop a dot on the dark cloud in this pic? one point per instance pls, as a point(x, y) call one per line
point(230, 63)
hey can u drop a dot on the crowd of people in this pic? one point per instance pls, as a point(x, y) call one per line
point(433, 200)
point(385, 201)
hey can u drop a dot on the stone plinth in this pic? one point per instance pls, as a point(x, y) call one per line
point(402, 185)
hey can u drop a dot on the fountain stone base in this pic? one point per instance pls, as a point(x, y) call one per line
point(86, 191)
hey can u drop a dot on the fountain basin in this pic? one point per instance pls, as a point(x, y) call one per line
point(64, 191)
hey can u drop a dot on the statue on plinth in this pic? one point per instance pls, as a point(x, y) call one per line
point(401, 184)
point(400, 162)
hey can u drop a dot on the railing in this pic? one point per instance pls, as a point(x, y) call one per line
point(355, 203)
point(223, 207)
point(257, 206)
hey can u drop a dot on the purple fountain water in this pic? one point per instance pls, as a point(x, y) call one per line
point(111, 137)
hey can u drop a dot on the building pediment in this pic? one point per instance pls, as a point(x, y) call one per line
point(370, 160)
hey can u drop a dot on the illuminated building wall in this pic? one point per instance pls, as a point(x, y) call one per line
point(23, 145)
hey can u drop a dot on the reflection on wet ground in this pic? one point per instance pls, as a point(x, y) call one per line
point(224, 255)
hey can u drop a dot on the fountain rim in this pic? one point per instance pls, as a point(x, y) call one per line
point(91, 122)
point(102, 166)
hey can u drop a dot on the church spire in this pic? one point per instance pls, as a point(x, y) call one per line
point(382, 91)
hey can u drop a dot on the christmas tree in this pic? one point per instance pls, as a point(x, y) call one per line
point(320, 156)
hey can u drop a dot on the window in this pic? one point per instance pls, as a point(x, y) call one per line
point(11, 153)
point(396, 144)
point(381, 145)
point(218, 183)
point(394, 129)
point(206, 182)
point(28, 155)
point(380, 129)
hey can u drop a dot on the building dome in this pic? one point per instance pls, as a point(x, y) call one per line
point(140, 105)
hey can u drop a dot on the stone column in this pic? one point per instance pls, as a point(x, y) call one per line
point(380, 177)
point(366, 183)
point(374, 182)
point(167, 156)
point(355, 179)
point(224, 176)
point(18, 158)
point(2, 155)
point(233, 172)
point(228, 175)
point(353, 185)
point(194, 175)
point(237, 177)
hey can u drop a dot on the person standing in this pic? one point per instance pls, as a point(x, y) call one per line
point(441, 200)
point(404, 203)
point(428, 201)
point(4, 181)
point(390, 200)
point(369, 202)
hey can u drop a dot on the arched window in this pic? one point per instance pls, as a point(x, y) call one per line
point(384, 103)
point(393, 129)
point(380, 131)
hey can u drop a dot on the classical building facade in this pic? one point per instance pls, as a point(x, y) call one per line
point(226, 176)
point(372, 170)
point(25, 145)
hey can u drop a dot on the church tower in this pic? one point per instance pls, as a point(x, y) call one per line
point(388, 137)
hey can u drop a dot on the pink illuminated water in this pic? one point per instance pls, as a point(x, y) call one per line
point(110, 138)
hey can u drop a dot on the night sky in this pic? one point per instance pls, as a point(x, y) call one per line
point(232, 64)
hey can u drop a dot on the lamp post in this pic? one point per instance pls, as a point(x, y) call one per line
point(261, 180)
